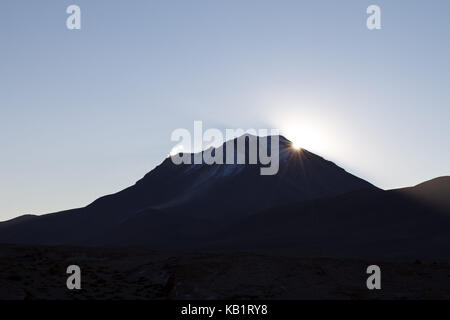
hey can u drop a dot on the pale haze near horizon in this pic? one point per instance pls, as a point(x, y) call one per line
point(88, 112)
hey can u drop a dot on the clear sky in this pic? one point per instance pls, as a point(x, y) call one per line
point(84, 113)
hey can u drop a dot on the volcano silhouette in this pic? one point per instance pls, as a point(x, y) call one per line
point(311, 205)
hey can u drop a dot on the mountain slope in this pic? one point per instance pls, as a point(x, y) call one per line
point(233, 189)
point(311, 207)
point(188, 198)
point(403, 222)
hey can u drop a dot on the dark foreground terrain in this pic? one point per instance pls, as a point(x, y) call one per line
point(28, 272)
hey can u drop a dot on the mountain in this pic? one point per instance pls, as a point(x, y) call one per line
point(223, 191)
point(311, 206)
point(435, 193)
point(409, 222)
point(189, 199)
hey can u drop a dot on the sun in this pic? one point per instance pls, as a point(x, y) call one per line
point(304, 136)
point(296, 145)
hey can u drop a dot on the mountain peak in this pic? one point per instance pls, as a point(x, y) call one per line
point(191, 195)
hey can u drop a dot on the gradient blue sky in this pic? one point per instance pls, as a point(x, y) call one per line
point(86, 113)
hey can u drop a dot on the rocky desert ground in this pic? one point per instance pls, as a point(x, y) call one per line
point(39, 273)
